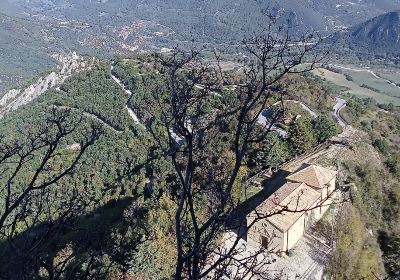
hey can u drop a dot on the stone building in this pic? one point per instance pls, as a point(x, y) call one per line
point(281, 220)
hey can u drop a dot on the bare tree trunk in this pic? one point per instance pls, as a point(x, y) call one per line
point(205, 204)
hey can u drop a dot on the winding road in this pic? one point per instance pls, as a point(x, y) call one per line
point(263, 118)
point(178, 139)
point(93, 116)
point(340, 104)
point(131, 113)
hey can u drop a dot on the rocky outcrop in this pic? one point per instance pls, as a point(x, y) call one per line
point(68, 65)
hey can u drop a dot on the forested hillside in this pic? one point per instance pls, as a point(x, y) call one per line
point(373, 225)
point(374, 39)
point(123, 189)
point(123, 183)
point(138, 166)
point(101, 197)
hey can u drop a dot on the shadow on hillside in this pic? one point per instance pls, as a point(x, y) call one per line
point(97, 239)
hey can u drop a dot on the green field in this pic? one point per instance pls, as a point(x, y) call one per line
point(378, 84)
point(378, 89)
point(393, 77)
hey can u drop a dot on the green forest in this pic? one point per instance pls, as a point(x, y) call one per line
point(113, 215)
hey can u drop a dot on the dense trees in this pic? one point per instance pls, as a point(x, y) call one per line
point(88, 223)
point(270, 152)
point(34, 164)
point(107, 189)
point(160, 208)
point(324, 128)
point(301, 136)
point(305, 134)
point(96, 93)
point(356, 107)
point(205, 177)
point(206, 117)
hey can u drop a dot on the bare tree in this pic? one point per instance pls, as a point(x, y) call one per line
point(34, 166)
point(37, 150)
point(206, 176)
point(48, 227)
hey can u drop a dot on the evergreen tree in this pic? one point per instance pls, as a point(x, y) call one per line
point(271, 152)
point(390, 245)
point(301, 136)
point(324, 128)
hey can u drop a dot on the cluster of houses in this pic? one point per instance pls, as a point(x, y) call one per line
point(279, 221)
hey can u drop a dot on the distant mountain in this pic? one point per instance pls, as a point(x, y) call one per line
point(108, 27)
point(377, 37)
point(380, 32)
point(206, 16)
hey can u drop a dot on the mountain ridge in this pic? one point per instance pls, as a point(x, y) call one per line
point(379, 36)
point(120, 27)
point(383, 28)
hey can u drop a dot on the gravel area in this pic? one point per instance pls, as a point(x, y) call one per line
point(308, 260)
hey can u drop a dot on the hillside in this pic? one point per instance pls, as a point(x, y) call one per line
point(120, 201)
point(124, 159)
point(384, 28)
point(375, 40)
point(317, 14)
point(382, 32)
point(110, 179)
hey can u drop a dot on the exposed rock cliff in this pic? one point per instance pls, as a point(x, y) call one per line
point(68, 65)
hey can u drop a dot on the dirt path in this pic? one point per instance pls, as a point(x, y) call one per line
point(131, 113)
point(93, 116)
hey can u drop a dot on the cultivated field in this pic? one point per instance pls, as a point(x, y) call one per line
point(379, 83)
point(380, 90)
point(394, 77)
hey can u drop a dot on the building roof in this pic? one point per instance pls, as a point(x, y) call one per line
point(300, 193)
point(313, 175)
point(276, 198)
point(302, 199)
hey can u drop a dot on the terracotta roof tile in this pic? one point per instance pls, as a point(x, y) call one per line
point(296, 196)
point(313, 175)
point(294, 206)
point(277, 197)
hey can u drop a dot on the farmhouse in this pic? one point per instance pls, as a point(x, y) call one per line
point(282, 219)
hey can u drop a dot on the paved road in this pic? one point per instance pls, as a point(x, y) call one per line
point(262, 120)
point(267, 113)
point(306, 108)
point(340, 104)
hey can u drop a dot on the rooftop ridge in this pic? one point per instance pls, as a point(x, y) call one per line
point(313, 175)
